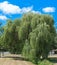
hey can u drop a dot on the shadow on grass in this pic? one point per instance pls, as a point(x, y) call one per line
point(16, 58)
point(53, 60)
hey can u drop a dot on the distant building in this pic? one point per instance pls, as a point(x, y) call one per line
point(52, 52)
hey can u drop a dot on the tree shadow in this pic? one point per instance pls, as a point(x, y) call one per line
point(16, 58)
point(53, 60)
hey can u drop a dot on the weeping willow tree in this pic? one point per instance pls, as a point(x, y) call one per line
point(32, 35)
point(41, 37)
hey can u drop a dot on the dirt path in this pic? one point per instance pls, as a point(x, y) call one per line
point(8, 61)
point(18, 60)
point(14, 60)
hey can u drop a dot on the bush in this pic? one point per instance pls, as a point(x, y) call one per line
point(44, 62)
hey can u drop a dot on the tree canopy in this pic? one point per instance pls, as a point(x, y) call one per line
point(32, 35)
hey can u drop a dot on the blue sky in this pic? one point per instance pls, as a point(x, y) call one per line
point(11, 9)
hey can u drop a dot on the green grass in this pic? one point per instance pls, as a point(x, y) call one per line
point(45, 62)
point(53, 60)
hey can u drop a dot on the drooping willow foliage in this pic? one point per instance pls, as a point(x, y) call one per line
point(32, 36)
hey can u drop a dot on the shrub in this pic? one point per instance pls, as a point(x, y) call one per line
point(44, 62)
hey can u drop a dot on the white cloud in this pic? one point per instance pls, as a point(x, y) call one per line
point(37, 12)
point(49, 9)
point(26, 9)
point(2, 17)
point(8, 8)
